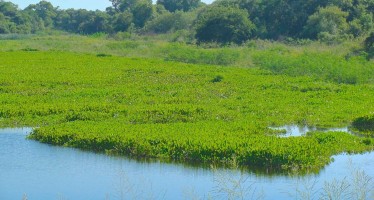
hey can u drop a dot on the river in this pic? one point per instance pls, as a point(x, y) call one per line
point(32, 170)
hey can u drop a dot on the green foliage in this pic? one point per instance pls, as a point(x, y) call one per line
point(142, 12)
point(123, 21)
point(324, 66)
point(14, 36)
point(14, 21)
point(223, 25)
point(330, 21)
point(138, 12)
point(182, 36)
point(276, 19)
point(103, 55)
point(168, 110)
point(169, 22)
point(187, 54)
point(8, 8)
point(96, 22)
point(123, 5)
point(45, 11)
point(188, 144)
point(217, 79)
point(182, 5)
point(29, 49)
point(83, 21)
point(362, 25)
point(327, 24)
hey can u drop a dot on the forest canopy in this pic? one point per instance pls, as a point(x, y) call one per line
point(223, 21)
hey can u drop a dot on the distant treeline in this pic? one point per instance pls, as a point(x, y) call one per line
point(224, 21)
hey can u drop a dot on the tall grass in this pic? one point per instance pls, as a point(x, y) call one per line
point(189, 54)
point(325, 66)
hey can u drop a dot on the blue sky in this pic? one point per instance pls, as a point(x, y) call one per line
point(64, 4)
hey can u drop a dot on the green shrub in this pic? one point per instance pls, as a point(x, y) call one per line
point(224, 25)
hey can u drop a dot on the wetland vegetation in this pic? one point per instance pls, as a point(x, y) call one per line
point(156, 108)
point(173, 94)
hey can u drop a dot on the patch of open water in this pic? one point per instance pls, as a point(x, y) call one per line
point(41, 171)
point(297, 130)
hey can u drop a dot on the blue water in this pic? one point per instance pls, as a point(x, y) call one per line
point(39, 171)
point(297, 130)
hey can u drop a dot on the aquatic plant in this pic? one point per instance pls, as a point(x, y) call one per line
point(149, 108)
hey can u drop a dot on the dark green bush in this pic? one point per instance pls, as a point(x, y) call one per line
point(217, 79)
point(224, 25)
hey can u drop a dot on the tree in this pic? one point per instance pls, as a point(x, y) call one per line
point(361, 25)
point(223, 25)
point(115, 4)
point(45, 11)
point(8, 9)
point(276, 19)
point(122, 5)
point(95, 22)
point(4, 24)
point(122, 21)
point(28, 22)
point(13, 20)
point(142, 12)
point(167, 22)
point(184, 5)
point(326, 22)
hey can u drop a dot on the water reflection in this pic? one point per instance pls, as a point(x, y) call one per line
point(47, 172)
point(299, 130)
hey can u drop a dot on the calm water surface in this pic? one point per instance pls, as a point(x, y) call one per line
point(297, 130)
point(40, 171)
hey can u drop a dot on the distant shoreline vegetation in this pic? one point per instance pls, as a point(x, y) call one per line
point(191, 21)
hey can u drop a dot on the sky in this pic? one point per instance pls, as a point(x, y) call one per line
point(64, 4)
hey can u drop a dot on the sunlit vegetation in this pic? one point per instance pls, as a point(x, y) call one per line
point(223, 21)
point(152, 108)
point(325, 66)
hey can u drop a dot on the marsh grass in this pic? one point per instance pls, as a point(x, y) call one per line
point(15, 36)
point(169, 110)
point(154, 105)
point(247, 55)
point(137, 104)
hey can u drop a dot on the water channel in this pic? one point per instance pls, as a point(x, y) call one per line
point(297, 130)
point(31, 170)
